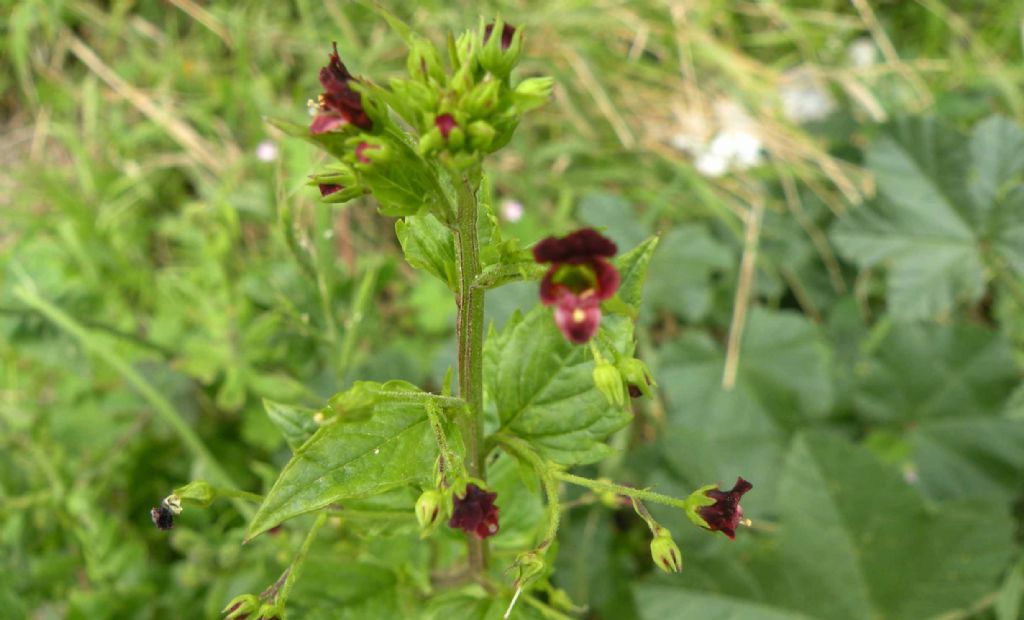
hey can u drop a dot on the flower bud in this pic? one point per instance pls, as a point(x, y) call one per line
point(481, 135)
point(637, 376)
point(665, 553)
point(431, 141)
point(502, 46)
point(532, 93)
point(241, 607)
point(428, 510)
point(482, 100)
point(424, 62)
point(608, 381)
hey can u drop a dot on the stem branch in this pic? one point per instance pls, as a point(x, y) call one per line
point(601, 485)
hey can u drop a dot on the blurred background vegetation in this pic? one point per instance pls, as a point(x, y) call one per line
point(164, 267)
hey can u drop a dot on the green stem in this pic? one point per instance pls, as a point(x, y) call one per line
point(470, 334)
point(522, 450)
point(161, 405)
point(448, 402)
point(601, 485)
point(296, 566)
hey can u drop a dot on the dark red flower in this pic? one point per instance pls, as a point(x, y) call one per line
point(326, 189)
point(579, 279)
point(445, 123)
point(475, 512)
point(507, 32)
point(339, 103)
point(163, 517)
point(725, 514)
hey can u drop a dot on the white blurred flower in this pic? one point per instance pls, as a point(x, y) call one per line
point(862, 53)
point(266, 151)
point(739, 147)
point(511, 210)
point(711, 164)
point(804, 98)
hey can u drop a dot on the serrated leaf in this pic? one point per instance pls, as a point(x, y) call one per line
point(997, 156)
point(929, 226)
point(428, 245)
point(856, 542)
point(543, 391)
point(632, 268)
point(783, 380)
point(342, 460)
point(959, 458)
point(921, 371)
point(295, 423)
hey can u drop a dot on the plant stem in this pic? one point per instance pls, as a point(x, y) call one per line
point(293, 571)
point(522, 450)
point(470, 333)
point(601, 485)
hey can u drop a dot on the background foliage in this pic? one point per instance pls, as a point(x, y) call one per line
point(158, 279)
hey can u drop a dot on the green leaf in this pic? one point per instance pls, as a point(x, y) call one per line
point(783, 380)
point(333, 587)
point(997, 156)
point(959, 458)
point(663, 600)
point(295, 423)
point(542, 388)
point(632, 268)
point(921, 372)
point(428, 245)
point(681, 271)
point(856, 542)
point(343, 460)
point(933, 224)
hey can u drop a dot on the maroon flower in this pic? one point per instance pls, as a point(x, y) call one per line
point(579, 279)
point(725, 514)
point(162, 517)
point(326, 189)
point(475, 512)
point(507, 32)
point(445, 123)
point(339, 104)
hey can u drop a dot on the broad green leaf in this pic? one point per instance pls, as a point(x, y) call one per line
point(966, 457)
point(295, 423)
point(997, 156)
point(334, 587)
point(855, 541)
point(715, 434)
point(543, 391)
point(342, 460)
point(921, 372)
point(930, 225)
point(659, 600)
point(614, 217)
point(428, 245)
point(632, 268)
point(681, 271)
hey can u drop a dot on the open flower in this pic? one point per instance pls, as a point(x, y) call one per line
point(579, 279)
point(340, 104)
point(725, 514)
point(475, 512)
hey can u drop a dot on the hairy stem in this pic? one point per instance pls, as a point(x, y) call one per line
point(601, 485)
point(470, 332)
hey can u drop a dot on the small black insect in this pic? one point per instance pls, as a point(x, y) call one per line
point(163, 515)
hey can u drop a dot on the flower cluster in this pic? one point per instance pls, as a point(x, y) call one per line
point(579, 279)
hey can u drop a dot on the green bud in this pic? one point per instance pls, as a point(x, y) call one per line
point(502, 46)
point(431, 141)
point(456, 138)
point(423, 62)
point(532, 93)
point(241, 606)
point(665, 553)
point(428, 510)
point(270, 612)
point(608, 381)
point(482, 99)
point(531, 565)
point(335, 174)
point(637, 375)
point(481, 135)
point(198, 492)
